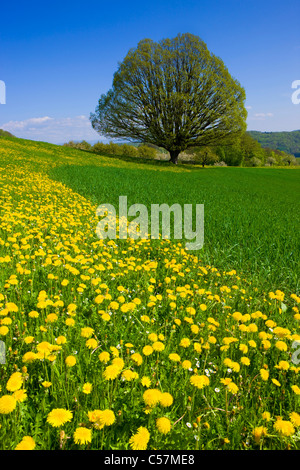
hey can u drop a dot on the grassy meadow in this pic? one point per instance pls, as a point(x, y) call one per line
point(123, 344)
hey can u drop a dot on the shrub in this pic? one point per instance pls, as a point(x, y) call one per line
point(78, 145)
point(99, 147)
point(129, 150)
point(114, 149)
point(254, 161)
point(146, 152)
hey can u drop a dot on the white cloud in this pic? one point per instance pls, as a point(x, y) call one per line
point(263, 115)
point(53, 130)
point(260, 116)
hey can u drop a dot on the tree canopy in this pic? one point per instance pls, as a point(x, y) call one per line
point(174, 94)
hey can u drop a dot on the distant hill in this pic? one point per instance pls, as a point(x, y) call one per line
point(288, 142)
point(5, 133)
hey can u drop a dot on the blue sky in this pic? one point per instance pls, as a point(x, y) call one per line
point(57, 58)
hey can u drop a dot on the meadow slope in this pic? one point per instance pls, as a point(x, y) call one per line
point(123, 344)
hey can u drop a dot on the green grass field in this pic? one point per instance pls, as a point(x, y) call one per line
point(252, 215)
point(133, 345)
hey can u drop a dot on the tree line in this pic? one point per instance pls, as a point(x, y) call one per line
point(289, 142)
point(243, 151)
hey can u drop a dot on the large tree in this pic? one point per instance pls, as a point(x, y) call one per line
point(174, 94)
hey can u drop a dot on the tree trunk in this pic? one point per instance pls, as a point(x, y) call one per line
point(174, 156)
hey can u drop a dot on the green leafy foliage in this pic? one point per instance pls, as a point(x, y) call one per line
point(174, 94)
point(288, 142)
point(5, 133)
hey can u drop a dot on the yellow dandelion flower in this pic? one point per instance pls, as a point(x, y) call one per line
point(12, 307)
point(137, 358)
point(95, 418)
point(266, 344)
point(266, 416)
point(70, 361)
point(61, 340)
point(82, 435)
point(44, 348)
point(264, 374)
point(195, 329)
point(111, 372)
point(147, 350)
point(199, 381)
point(166, 399)
point(29, 356)
point(139, 441)
point(163, 425)
point(91, 343)
point(281, 332)
point(227, 362)
point(212, 339)
point(258, 433)
point(105, 317)
point(245, 361)
point(237, 316)
point(27, 443)
point(174, 357)
point(118, 361)
point(15, 382)
point(70, 322)
point(4, 330)
point(87, 388)
point(185, 343)
point(284, 428)
point(252, 328)
point(158, 346)
point(7, 404)
point(191, 310)
point(152, 337)
point(28, 339)
point(283, 365)
point(197, 347)
point(114, 305)
point(235, 366)
point(129, 375)
point(276, 382)
point(46, 384)
point(86, 332)
point(104, 356)
point(295, 418)
point(296, 389)
point(152, 396)
point(59, 416)
point(107, 417)
point(281, 345)
point(145, 318)
point(20, 395)
point(233, 388)
point(51, 318)
point(186, 364)
point(226, 381)
point(114, 351)
point(146, 381)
